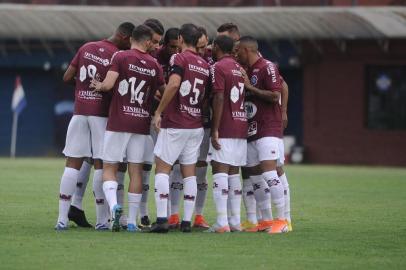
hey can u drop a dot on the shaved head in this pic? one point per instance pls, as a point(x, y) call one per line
point(249, 43)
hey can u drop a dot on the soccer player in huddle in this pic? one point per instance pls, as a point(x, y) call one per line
point(134, 76)
point(228, 135)
point(87, 126)
point(180, 127)
point(263, 87)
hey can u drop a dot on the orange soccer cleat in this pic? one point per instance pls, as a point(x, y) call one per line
point(173, 221)
point(200, 222)
point(263, 225)
point(279, 226)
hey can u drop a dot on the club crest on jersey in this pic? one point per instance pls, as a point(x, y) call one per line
point(250, 109)
point(254, 80)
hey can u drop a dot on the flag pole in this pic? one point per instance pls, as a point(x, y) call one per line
point(14, 135)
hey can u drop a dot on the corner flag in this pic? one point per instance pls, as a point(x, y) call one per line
point(18, 103)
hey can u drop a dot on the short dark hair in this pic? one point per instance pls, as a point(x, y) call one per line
point(171, 34)
point(190, 34)
point(126, 28)
point(155, 25)
point(142, 33)
point(228, 27)
point(202, 30)
point(225, 43)
point(250, 40)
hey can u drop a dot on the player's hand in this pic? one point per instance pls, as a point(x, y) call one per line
point(95, 85)
point(215, 140)
point(247, 82)
point(285, 120)
point(156, 121)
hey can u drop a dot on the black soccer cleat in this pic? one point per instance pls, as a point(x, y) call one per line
point(145, 222)
point(160, 226)
point(186, 227)
point(78, 216)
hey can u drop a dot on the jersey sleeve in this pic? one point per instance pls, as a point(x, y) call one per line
point(217, 79)
point(177, 65)
point(271, 77)
point(115, 62)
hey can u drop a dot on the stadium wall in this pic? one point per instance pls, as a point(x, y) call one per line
point(335, 104)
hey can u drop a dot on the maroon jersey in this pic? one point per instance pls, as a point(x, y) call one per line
point(264, 118)
point(185, 109)
point(208, 57)
point(227, 78)
point(92, 61)
point(140, 76)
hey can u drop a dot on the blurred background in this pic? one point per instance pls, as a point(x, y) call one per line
point(344, 62)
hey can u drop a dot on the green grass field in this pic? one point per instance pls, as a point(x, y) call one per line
point(344, 218)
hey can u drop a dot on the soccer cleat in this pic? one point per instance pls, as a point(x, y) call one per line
point(235, 228)
point(262, 226)
point(186, 226)
point(116, 214)
point(278, 226)
point(246, 225)
point(78, 216)
point(102, 227)
point(200, 222)
point(132, 228)
point(60, 226)
point(160, 226)
point(145, 222)
point(290, 228)
point(218, 229)
point(173, 221)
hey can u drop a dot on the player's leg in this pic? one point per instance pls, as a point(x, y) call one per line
point(188, 158)
point(77, 147)
point(167, 149)
point(175, 192)
point(286, 189)
point(201, 179)
point(146, 173)
point(249, 200)
point(122, 169)
point(76, 212)
point(234, 198)
point(134, 194)
point(268, 150)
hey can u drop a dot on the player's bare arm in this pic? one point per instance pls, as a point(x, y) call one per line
point(284, 104)
point(267, 95)
point(168, 94)
point(107, 84)
point(218, 101)
point(69, 76)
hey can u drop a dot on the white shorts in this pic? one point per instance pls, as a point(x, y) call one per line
point(266, 148)
point(179, 144)
point(204, 147)
point(233, 152)
point(129, 147)
point(153, 133)
point(85, 136)
point(281, 159)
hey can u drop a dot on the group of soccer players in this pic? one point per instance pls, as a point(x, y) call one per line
point(180, 103)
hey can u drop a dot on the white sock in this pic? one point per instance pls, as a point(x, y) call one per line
point(234, 196)
point(249, 201)
point(145, 192)
point(262, 196)
point(133, 206)
point(66, 189)
point(189, 197)
point(102, 208)
point(286, 193)
point(110, 192)
point(120, 187)
point(259, 214)
point(83, 178)
point(220, 196)
point(161, 194)
point(176, 189)
point(276, 188)
point(201, 180)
